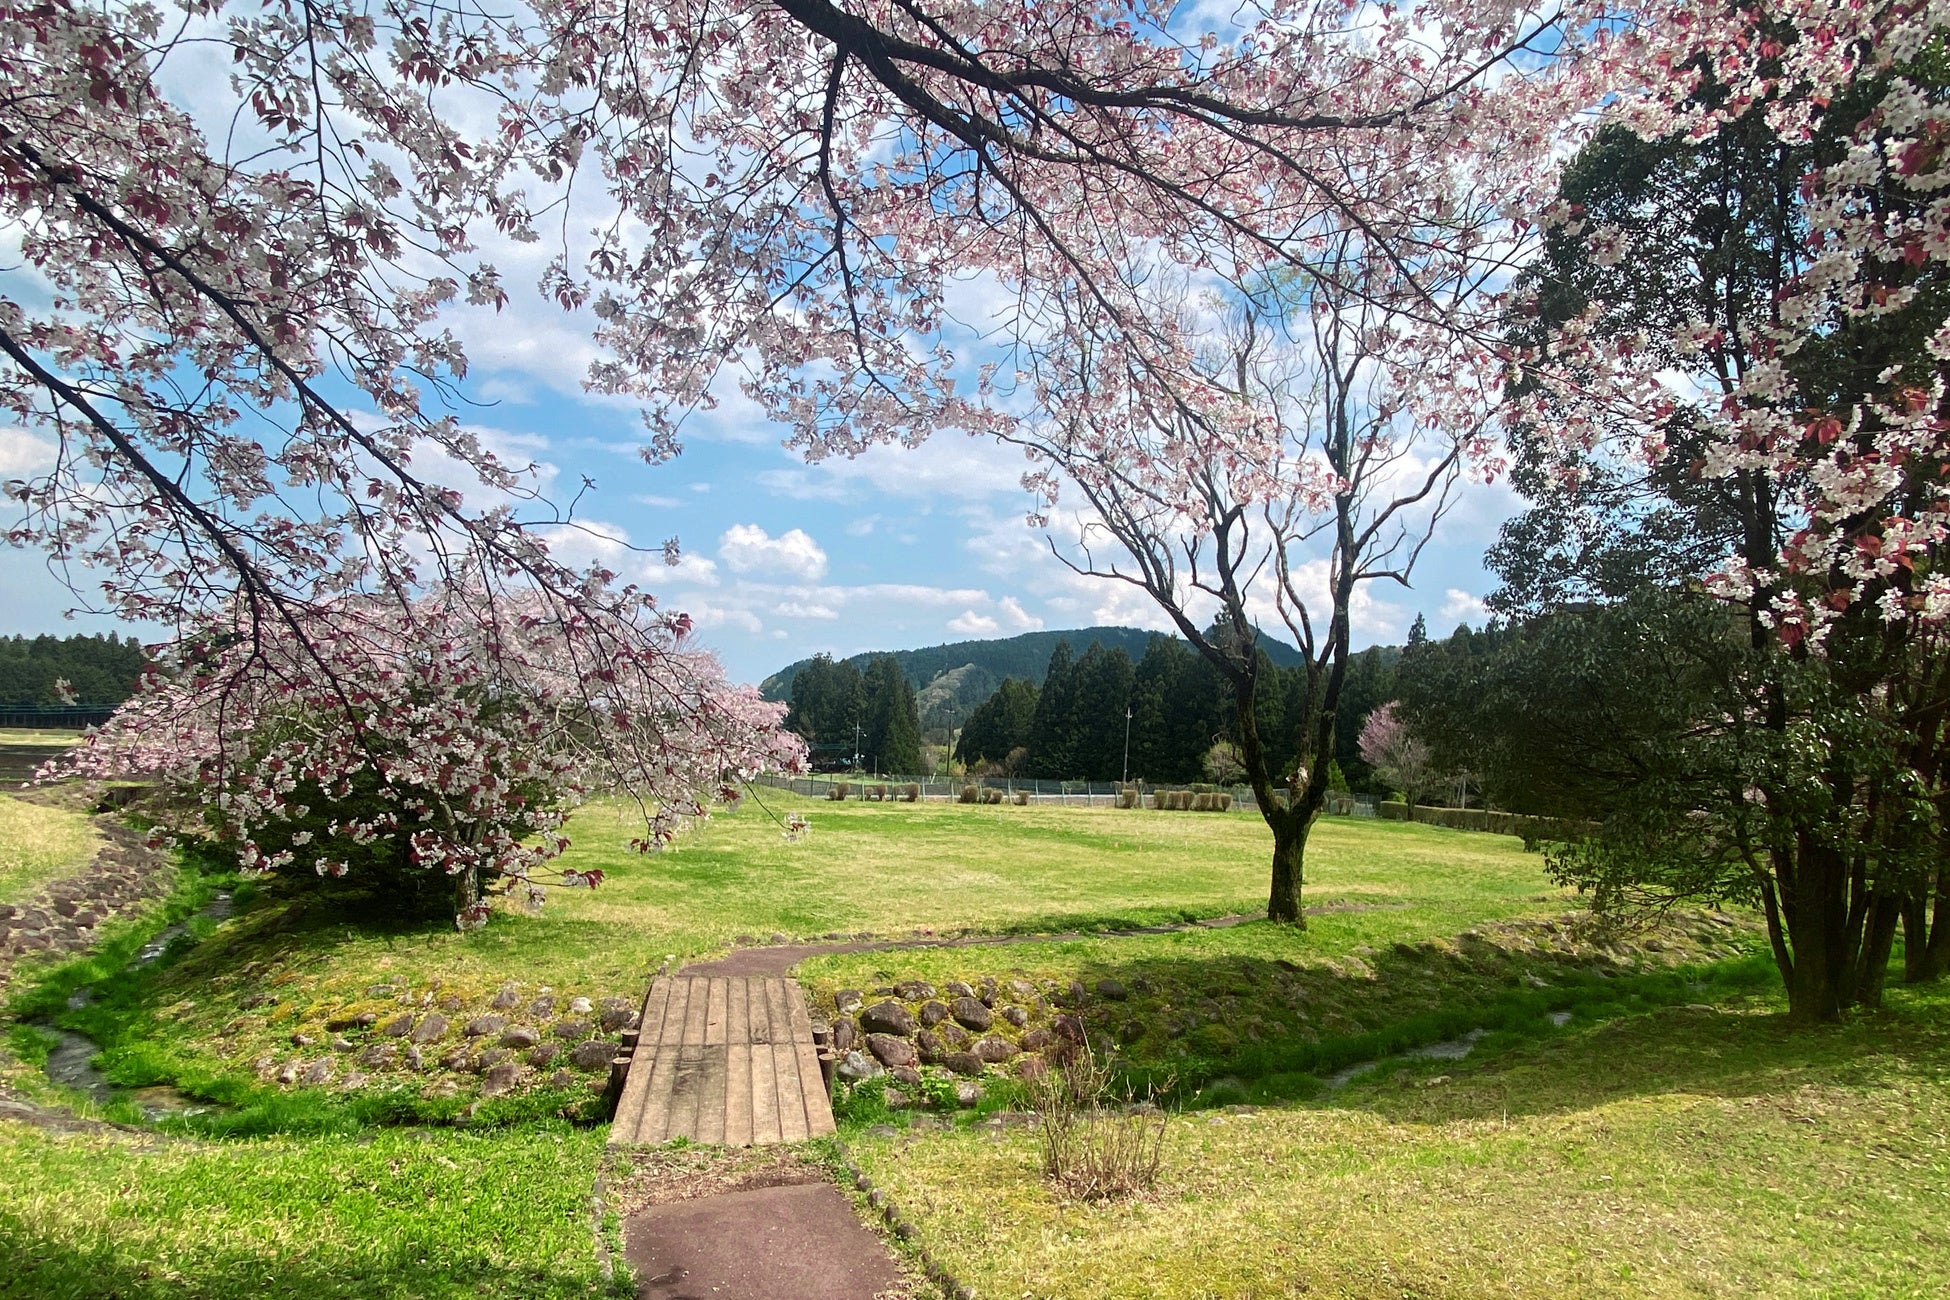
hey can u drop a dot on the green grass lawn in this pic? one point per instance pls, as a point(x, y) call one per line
point(39, 844)
point(406, 1214)
point(883, 868)
point(1646, 1149)
point(1684, 1152)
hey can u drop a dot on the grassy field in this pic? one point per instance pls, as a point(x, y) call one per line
point(1649, 1147)
point(883, 868)
point(406, 1214)
point(38, 845)
point(1689, 1151)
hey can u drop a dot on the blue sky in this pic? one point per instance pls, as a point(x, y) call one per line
point(784, 559)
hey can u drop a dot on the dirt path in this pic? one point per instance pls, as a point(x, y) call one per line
point(757, 1224)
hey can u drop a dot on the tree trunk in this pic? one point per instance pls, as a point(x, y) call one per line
point(467, 888)
point(1878, 940)
point(1816, 912)
point(1289, 859)
point(1926, 942)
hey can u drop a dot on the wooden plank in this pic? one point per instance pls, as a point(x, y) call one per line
point(785, 1065)
point(687, 1087)
point(714, 1019)
point(636, 1088)
point(765, 1085)
point(812, 1084)
point(711, 1099)
point(760, 1025)
point(801, 1018)
point(792, 1099)
point(696, 1012)
point(655, 1125)
point(738, 1067)
point(672, 1032)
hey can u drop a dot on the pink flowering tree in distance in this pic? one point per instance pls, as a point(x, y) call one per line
point(1390, 746)
point(441, 740)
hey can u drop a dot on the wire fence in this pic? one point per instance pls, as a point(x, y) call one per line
point(1082, 794)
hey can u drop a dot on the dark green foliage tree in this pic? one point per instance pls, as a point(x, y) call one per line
point(1103, 681)
point(1816, 779)
point(1178, 709)
point(891, 732)
point(999, 724)
point(1053, 729)
point(101, 671)
point(829, 701)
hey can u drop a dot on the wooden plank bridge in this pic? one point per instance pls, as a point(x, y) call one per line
point(722, 1059)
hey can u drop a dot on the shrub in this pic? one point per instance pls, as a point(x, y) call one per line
point(1181, 801)
point(838, 790)
point(970, 794)
point(1128, 797)
point(1096, 1144)
point(911, 792)
point(1222, 801)
point(991, 796)
point(1395, 810)
point(1022, 798)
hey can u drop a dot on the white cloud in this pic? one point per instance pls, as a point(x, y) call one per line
point(945, 466)
point(969, 623)
point(1019, 618)
point(804, 609)
point(656, 502)
point(1461, 607)
point(748, 548)
point(23, 453)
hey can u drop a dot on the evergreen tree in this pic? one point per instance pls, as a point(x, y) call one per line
point(891, 741)
point(828, 704)
point(100, 671)
point(999, 724)
point(1103, 681)
point(1052, 733)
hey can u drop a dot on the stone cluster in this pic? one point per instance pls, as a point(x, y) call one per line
point(960, 1031)
point(63, 919)
point(507, 1040)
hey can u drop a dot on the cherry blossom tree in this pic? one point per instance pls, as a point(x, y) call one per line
point(441, 739)
point(1811, 408)
point(1390, 746)
point(1318, 463)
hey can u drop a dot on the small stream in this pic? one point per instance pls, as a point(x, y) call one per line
point(1453, 1049)
point(71, 1062)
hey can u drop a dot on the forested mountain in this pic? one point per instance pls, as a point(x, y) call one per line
point(100, 671)
point(952, 679)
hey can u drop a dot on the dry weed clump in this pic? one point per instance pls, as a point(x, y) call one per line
point(1098, 1141)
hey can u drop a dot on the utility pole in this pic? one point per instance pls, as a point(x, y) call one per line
point(1127, 742)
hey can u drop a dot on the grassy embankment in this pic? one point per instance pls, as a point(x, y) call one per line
point(1688, 1151)
point(39, 845)
point(204, 1021)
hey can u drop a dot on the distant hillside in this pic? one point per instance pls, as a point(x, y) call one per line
point(952, 679)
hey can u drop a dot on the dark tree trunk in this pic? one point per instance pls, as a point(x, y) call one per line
point(1926, 939)
point(1289, 874)
point(1878, 941)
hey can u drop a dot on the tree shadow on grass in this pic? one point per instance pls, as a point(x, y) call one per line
point(1742, 1048)
point(1270, 1029)
point(40, 1266)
